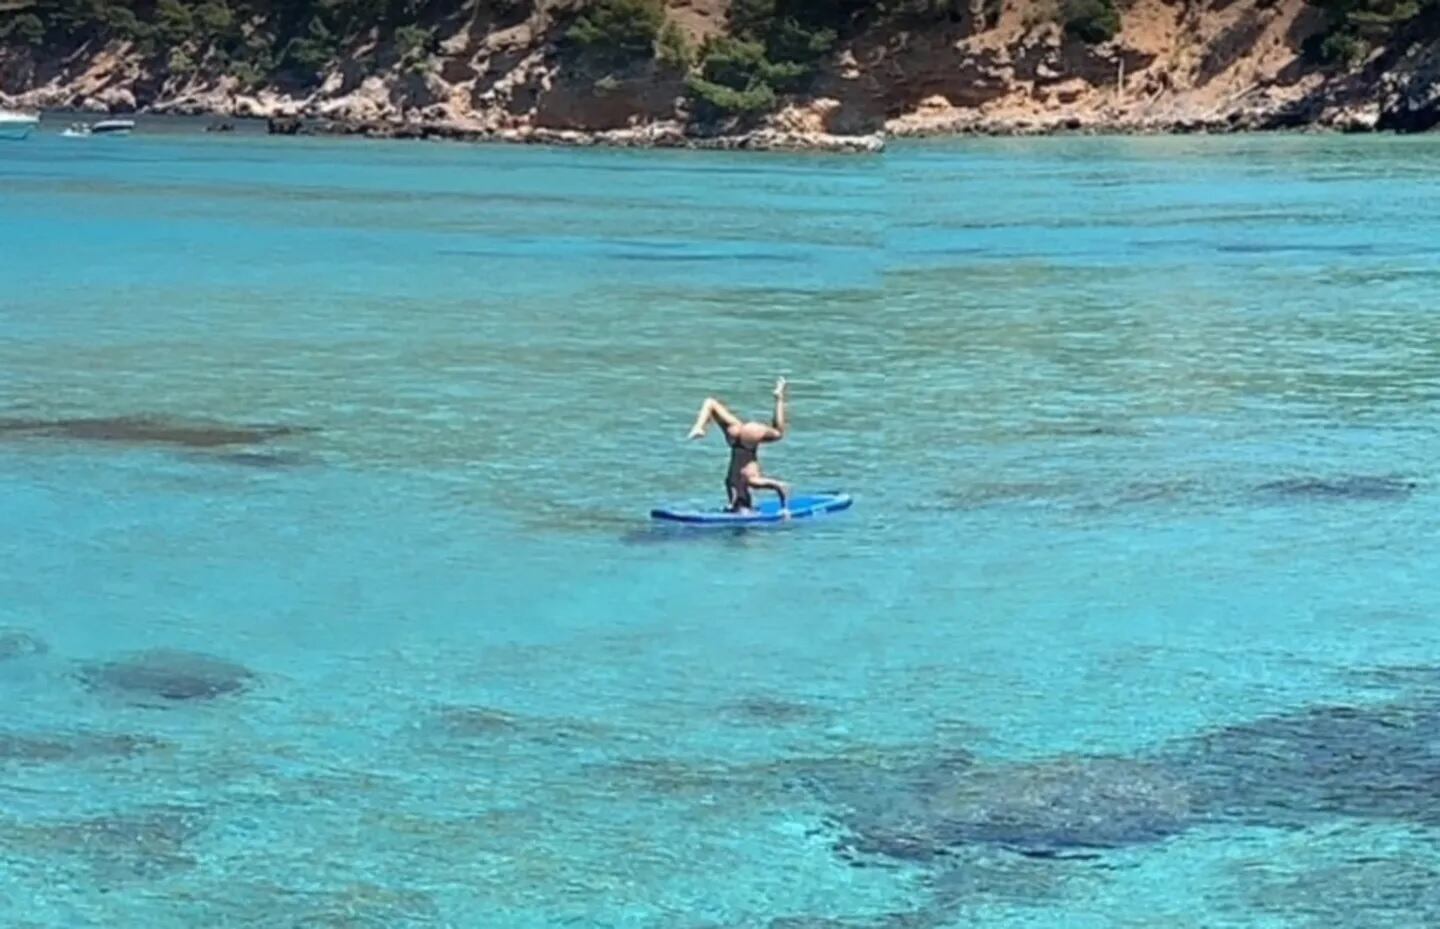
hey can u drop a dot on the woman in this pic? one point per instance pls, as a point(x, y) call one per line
point(745, 440)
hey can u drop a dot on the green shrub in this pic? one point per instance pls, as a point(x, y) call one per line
point(751, 18)
point(1092, 21)
point(180, 62)
point(214, 19)
point(923, 10)
point(414, 44)
point(792, 37)
point(174, 22)
point(737, 79)
point(734, 63)
point(712, 101)
point(793, 41)
point(1383, 15)
point(674, 49)
point(1357, 26)
point(1343, 48)
point(618, 32)
point(122, 23)
point(250, 75)
point(23, 27)
point(307, 56)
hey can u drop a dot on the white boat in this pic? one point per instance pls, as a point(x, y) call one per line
point(103, 127)
point(112, 127)
point(15, 125)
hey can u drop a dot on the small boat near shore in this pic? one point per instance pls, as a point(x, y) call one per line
point(103, 127)
point(15, 125)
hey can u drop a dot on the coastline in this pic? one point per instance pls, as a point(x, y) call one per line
point(675, 135)
point(1166, 73)
point(655, 135)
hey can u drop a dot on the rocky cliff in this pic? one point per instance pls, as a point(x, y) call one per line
point(1012, 68)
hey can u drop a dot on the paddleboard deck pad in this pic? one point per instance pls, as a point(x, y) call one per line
point(802, 506)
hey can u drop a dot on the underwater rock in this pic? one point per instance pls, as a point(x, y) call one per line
point(759, 709)
point(1349, 487)
point(1294, 769)
point(674, 777)
point(978, 495)
point(1380, 761)
point(17, 643)
point(143, 843)
point(986, 876)
point(168, 675)
point(359, 906)
point(143, 430)
point(1054, 808)
point(918, 919)
point(461, 726)
point(49, 748)
point(471, 722)
point(1359, 893)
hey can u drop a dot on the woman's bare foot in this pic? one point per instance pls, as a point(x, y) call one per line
point(697, 433)
point(781, 389)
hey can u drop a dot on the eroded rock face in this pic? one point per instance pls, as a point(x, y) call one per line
point(168, 676)
point(1409, 91)
point(581, 101)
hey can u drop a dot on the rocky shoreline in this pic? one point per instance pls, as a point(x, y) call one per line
point(677, 135)
point(1341, 119)
point(655, 135)
point(1172, 69)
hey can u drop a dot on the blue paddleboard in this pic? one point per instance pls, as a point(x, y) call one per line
point(801, 506)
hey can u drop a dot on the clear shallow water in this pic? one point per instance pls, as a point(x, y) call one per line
point(1132, 622)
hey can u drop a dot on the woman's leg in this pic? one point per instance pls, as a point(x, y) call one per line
point(713, 410)
point(769, 483)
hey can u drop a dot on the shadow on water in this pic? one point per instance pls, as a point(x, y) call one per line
point(146, 430)
point(679, 535)
point(675, 533)
point(1345, 488)
point(163, 677)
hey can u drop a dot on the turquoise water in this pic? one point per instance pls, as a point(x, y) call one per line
point(1133, 622)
